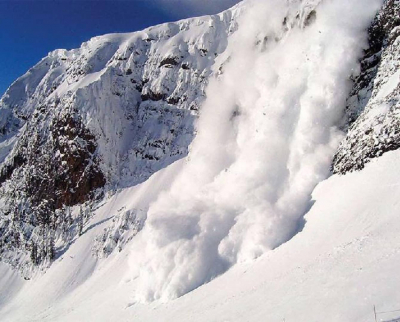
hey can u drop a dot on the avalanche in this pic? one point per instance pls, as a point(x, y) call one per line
point(266, 137)
point(247, 226)
point(337, 268)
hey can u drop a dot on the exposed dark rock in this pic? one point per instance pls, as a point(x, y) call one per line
point(51, 168)
point(149, 95)
point(173, 100)
point(185, 66)
point(203, 52)
point(78, 176)
point(169, 62)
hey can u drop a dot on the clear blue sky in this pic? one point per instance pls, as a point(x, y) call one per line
point(30, 29)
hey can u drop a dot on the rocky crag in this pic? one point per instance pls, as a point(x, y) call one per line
point(372, 118)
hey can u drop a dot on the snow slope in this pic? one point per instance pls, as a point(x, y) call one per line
point(344, 261)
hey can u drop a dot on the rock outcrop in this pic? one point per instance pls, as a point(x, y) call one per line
point(373, 123)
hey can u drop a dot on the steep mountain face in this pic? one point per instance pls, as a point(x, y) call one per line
point(102, 117)
point(373, 108)
point(85, 123)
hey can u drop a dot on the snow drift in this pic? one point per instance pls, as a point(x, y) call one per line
point(266, 136)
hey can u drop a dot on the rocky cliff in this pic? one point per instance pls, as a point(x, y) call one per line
point(372, 114)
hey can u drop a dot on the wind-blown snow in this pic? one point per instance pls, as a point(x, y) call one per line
point(266, 136)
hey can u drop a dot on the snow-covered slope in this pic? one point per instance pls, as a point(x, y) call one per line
point(90, 185)
point(343, 262)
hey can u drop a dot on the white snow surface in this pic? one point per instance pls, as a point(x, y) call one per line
point(343, 262)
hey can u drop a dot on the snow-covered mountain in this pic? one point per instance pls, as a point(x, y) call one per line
point(104, 209)
point(85, 122)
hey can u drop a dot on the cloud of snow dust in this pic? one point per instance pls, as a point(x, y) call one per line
point(266, 137)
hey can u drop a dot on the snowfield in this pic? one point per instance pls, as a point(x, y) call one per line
point(344, 261)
